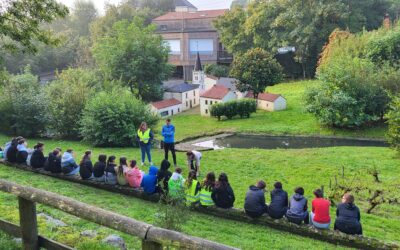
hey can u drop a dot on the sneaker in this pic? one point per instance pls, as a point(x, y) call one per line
point(142, 164)
point(151, 164)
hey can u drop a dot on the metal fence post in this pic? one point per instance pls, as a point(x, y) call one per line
point(28, 223)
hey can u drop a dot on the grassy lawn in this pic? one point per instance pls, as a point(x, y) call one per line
point(295, 120)
point(309, 168)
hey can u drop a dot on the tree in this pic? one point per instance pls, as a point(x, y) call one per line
point(133, 54)
point(255, 70)
point(216, 70)
point(20, 22)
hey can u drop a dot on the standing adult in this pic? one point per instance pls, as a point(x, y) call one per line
point(348, 216)
point(168, 132)
point(145, 138)
point(193, 160)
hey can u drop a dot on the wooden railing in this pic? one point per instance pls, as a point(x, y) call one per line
point(152, 237)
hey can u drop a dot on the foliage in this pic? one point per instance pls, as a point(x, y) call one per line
point(305, 24)
point(243, 108)
point(20, 22)
point(172, 214)
point(23, 105)
point(8, 243)
point(255, 70)
point(133, 54)
point(383, 47)
point(394, 124)
point(67, 98)
point(111, 118)
point(216, 70)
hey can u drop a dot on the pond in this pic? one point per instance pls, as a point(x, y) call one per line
point(285, 142)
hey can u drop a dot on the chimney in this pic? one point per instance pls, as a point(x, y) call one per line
point(386, 22)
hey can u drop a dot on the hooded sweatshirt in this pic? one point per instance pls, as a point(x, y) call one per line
point(279, 202)
point(149, 181)
point(22, 154)
point(297, 207)
point(68, 163)
point(163, 175)
point(134, 177)
point(255, 200)
point(348, 218)
point(54, 163)
point(168, 131)
point(37, 159)
point(223, 196)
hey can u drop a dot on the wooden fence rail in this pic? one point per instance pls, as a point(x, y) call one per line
point(152, 237)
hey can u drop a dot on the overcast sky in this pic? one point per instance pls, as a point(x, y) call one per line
point(200, 4)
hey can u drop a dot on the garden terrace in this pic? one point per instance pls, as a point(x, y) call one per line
point(234, 214)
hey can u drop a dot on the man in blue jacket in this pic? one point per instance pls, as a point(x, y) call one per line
point(168, 132)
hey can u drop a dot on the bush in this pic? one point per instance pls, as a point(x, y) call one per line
point(216, 70)
point(67, 98)
point(111, 118)
point(384, 47)
point(394, 124)
point(243, 108)
point(23, 105)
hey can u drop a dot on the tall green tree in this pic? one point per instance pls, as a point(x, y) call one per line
point(135, 55)
point(256, 70)
point(20, 22)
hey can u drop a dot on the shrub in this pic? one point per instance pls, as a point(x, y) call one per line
point(216, 70)
point(67, 98)
point(384, 47)
point(394, 124)
point(111, 118)
point(23, 105)
point(243, 108)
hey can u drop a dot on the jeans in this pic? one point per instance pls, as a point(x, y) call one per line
point(319, 225)
point(170, 147)
point(73, 172)
point(111, 179)
point(145, 148)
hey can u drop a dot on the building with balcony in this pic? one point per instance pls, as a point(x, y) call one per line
point(187, 32)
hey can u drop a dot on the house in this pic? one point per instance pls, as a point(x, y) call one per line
point(187, 94)
point(269, 102)
point(216, 94)
point(228, 82)
point(187, 32)
point(167, 107)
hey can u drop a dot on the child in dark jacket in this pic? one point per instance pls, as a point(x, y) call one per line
point(297, 212)
point(149, 181)
point(222, 194)
point(86, 166)
point(163, 176)
point(254, 204)
point(348, 216)
point(109, 172)
point(37, 159)
point(99, 168)
point(54, 161)
point(279, 202)
point(11, 152)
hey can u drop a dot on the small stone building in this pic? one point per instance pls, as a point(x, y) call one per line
point(216, 94)
point(187, 94)
point(167, 107)
point(269, 101)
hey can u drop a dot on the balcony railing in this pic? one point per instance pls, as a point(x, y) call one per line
point(224, 56)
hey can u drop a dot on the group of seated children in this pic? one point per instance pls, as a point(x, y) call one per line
point(209, 192)
point(296, 209)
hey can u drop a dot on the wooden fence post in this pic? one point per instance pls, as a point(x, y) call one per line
point(28, 223)
point(150, 245)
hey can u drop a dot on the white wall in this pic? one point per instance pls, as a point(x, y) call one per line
point(205, 108)
point(192, 95)
point(279, 104)
point(173, 110)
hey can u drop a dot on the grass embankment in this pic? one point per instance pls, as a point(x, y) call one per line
point(294, 121)
point(310, 168)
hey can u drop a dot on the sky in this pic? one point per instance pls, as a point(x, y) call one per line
point(200, 4)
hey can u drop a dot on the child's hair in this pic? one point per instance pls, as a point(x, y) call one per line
point(21, 141)
point(349, 198)
point(56, 151)
point(165, 165)
point(70, 150)
point(261, 184)
point(299, 190)
point(191, 177)
point(189, 153)
point(38, 145)
point(102, 158)
point(222, 180)
point(133, 163)
point(86, 156)
point(111, 159)
point(278, 185)
point(178, 170)
point(209, 182)
point(122, 162)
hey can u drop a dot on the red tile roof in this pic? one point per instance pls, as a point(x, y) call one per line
point(264, 96)
point(165, 103)
point(191, 15)
point(216, 92)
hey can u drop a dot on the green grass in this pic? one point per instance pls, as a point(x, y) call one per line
point(7, 242)
point(309, 168)
point(295, 120)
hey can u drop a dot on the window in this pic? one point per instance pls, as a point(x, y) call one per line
point(179, 110)
point(210, 102)
point(196, 78)
point(194, 101)
point(172, 112)
point(186, 95)
point(186, 103)
point(206, 111)
point(206, 102)
point(163, 27)
point(194, 92)
point(203, 46)
point(174, 46)
point(164, 113)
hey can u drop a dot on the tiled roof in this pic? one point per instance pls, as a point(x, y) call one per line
point(165, 103)
point(264, 96)
point(191, 15)
point(216, 92)
point(181, 88)
point(184, 3)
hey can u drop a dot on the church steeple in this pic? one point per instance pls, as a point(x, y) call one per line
point(197, 65)
point(198, 74)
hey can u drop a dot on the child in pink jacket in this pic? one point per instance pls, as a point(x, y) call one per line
point(134, 175)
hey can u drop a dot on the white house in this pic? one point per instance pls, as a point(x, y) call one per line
point(269, 101)
point(187, 94)
point(216, 94)
point(167, 107)
point(230, 83)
